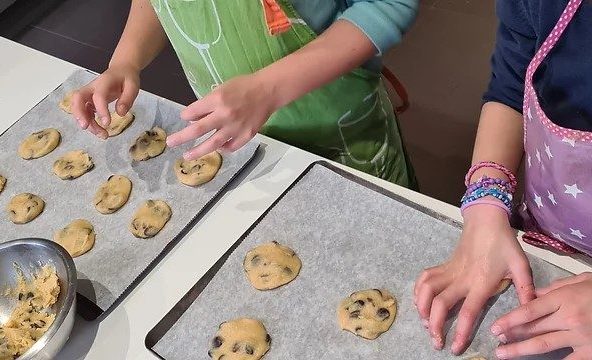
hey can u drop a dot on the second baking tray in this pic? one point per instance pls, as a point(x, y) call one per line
point(350, 235)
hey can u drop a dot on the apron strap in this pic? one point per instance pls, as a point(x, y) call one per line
point(276, 19)
point(543, 241)
point(399, 89)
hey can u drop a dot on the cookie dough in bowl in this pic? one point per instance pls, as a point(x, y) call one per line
point(367, 313)
point(24, 207)
point(112, 194)
point(150, 218)
point(77, 238)
point(271, 265)
point(39, 144)
point(148, 145)
point(73, 165)
point(240, 339)
point(199, 171)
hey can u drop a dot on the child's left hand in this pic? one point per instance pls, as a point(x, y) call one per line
point(236, 109)
point(560, 317)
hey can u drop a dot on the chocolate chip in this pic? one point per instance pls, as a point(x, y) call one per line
point(288, 271)
point(21, 296)
point(264, 275)
point(383, 313)
point(275, 242)
point(183, 172)
point(255, 260)
point(354, 314)
point(30, 295)
point(110, 177)
point(358, 329)
point(268, 338)
point(249, 349)
point(210, 353)
point(217, 342)
point(235, 347)
point(360, 303)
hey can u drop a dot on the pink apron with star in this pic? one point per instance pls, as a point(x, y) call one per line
point(557, 207)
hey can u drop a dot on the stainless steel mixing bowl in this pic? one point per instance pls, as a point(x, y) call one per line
point(30, 255)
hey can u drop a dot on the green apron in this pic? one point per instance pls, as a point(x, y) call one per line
point(350, 120)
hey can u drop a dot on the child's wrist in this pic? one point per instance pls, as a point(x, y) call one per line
point(124, 64)
point(271, 86)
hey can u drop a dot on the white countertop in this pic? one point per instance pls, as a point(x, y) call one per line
point(27, 76)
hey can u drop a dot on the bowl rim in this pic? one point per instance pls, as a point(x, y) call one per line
point(70, 295)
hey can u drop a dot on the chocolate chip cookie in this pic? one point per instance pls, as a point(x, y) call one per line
point(77, 238)
point(148, 145)
point(150, 218)
point(270, 266)
point(24, 207)
point(72, 165)
point(2, 183)
point(367, 313)
point(119, 123)
point(66, 103)
point(112, 194)
point(39, 144)
point(240, 339)
point(199, 171)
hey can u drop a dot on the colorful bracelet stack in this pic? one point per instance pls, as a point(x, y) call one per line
point(479, 191)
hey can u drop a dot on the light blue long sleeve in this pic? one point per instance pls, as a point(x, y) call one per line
point(383, 21)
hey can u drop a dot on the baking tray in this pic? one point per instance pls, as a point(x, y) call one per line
point(118, 260)
point(350, 235)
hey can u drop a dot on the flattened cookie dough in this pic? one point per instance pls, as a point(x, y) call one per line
point(200, 171)
point(112, 194)
point(270, 266)
point(240, 339)
point(24, 207)
point(66, 103)
point(2, 183)
point(503, 286)
point(148, 145)
point(39, 144)
point(77, 238)
point(119, 123)
point(150, 218)
point(367, 313)
point(72, 165)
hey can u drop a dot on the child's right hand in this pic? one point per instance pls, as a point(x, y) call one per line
point(118, 82)
point(487, 253)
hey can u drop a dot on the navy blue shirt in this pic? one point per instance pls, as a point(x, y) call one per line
point(563, 82)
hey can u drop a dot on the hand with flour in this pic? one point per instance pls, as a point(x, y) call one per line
point(487, 253)
point(560, 317)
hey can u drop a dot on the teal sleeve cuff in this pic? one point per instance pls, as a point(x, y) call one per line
point(384, 22)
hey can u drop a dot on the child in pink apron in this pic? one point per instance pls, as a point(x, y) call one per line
point(556, 210)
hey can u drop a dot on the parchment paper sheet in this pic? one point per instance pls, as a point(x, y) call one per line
point(348, 238)
point(117, 258)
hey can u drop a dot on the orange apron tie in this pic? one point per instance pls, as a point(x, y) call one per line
point(276, 19)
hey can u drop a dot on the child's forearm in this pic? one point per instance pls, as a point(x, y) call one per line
point(338, 50)
point(142, 40)
point(499, 139)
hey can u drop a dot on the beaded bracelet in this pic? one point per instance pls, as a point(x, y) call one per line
point(501, 195)
point(493, 165)
point(486, 202)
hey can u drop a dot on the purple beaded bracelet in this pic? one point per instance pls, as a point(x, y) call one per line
point(493, 165)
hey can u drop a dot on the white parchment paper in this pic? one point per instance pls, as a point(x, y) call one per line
point(349, 238)
point(117, 257)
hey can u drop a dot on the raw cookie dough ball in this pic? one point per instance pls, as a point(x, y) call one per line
point(240, 339)
point(503, 286)
point(2, 183)
point(150, 218)
point(270, 266)
point(148, 145)
point(39, 144)
point(66, 103)
point(200, 171)
point(77, 238)
point(119, 123)
point(72, 165)
point(24, 208)
point(367, 313)
point(112, 194)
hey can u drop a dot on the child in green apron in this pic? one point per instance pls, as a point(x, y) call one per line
point(259, 66)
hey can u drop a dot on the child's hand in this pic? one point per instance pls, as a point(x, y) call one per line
point(488, 252)
point(236, 110)
point(561, 317)
point(117, 82)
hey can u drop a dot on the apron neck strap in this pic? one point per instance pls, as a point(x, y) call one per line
point(276, 19)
